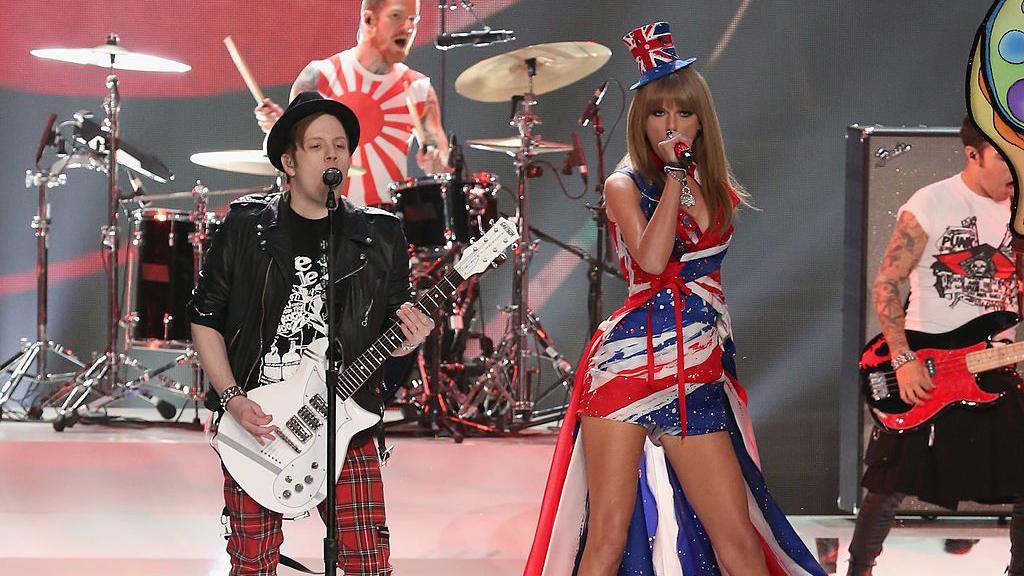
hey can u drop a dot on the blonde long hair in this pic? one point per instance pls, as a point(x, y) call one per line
point(688, 90)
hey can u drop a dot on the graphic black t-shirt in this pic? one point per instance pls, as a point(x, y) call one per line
point(305, 315)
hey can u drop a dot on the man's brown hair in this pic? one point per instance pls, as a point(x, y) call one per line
point(371, 5)
point(970, 136)
point(295, 136)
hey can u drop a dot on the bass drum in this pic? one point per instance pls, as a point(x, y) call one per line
point(438, 210)
point(161, 275)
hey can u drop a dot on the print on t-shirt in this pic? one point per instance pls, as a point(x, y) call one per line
point(302, 322)
point(968, 271)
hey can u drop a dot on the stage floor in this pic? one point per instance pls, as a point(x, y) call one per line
point(101, 500)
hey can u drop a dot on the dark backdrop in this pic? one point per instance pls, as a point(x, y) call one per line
point(787, 76)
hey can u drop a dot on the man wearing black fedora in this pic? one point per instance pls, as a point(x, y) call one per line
point(260, 301)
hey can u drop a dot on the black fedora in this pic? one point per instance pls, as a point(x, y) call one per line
point(306, 104)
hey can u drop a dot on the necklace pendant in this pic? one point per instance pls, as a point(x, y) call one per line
point(686, 199)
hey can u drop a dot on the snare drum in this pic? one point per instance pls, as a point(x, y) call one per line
point(438, 209)
point(161, 275)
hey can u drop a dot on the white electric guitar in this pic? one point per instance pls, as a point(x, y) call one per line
point(288, 474)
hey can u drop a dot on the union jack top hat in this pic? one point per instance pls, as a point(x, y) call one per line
point(654, 52)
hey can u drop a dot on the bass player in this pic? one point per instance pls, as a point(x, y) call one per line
point(952, 243)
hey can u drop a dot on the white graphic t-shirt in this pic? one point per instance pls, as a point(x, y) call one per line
point(305, 315)
point(967, 267)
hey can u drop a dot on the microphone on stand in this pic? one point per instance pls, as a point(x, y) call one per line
point(576, 159)
point(332, 178)
point(483, 37)
point(592, 107)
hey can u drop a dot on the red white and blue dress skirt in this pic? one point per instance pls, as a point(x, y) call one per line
point(630, 372)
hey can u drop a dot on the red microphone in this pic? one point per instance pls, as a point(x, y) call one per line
point(683, 155)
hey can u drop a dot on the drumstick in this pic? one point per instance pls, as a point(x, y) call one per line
point(243, 69)
point(417, 126)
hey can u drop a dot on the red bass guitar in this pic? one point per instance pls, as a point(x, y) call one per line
point(953, 360)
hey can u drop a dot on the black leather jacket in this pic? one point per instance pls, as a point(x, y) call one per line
point(247, 278)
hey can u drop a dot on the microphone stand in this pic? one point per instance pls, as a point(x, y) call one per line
point(442, 7)
point(595, 310)
point(331, 540)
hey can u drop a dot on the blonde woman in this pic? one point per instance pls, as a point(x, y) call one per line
point(656, 470)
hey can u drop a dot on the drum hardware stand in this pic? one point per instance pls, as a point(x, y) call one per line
point(505, 392)
point(433, 402)
point(595, 293)
point(37, 351)
point(104, 372)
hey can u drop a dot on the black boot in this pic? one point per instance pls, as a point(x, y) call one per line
point(874, 521)
point(1016, 567)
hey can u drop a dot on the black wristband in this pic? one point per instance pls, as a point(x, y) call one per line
point(228, 394)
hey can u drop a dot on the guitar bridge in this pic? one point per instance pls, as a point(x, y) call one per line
point(878, 385)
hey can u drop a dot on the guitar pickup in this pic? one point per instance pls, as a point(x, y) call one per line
point(929, 365)
point(309, 418)
point(318, 403)
point(298, 429)
point(879, 386)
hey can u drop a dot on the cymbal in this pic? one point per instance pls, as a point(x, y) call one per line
point(499, 78)
point(512, 145)
point(247, 162)
point(111, 55)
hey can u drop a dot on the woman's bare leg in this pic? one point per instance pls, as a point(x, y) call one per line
point(612, 451)
point(710, 475)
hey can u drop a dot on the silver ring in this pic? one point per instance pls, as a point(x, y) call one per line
point(669, 133)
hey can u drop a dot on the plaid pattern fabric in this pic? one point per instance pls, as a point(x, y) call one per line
point(364, 548)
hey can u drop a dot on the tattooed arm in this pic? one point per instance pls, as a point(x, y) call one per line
point(903, 254)
point(436, 158)
point(306, 80)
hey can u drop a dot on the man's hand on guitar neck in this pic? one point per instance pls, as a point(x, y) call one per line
point(915, 384)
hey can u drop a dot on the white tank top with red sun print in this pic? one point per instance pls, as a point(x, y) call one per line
point(386, 127)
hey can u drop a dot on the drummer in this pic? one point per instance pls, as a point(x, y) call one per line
point(373, 81)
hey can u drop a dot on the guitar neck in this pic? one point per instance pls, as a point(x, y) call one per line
point(356, 374)
point(996, 357)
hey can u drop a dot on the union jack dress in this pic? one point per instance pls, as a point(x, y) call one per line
point(630, 372)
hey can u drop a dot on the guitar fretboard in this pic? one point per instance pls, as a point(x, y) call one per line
point(357, 373)
point(996, 357)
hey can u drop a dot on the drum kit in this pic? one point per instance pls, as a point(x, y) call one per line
point(442, 213)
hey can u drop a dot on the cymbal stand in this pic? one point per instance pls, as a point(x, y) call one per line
point(37, 351)
point(505, 391)
point(103, 374)
point(432, 399)
point(595, 295)
point(198, 240)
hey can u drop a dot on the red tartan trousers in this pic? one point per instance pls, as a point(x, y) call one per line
point(254, 545)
